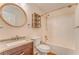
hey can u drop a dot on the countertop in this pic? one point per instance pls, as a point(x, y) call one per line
point(6, 45)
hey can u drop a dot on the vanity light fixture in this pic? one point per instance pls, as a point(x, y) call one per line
point(36, 20)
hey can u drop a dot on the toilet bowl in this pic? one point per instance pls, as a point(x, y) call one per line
point(43, 49)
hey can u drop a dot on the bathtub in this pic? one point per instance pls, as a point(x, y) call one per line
point(63, 51)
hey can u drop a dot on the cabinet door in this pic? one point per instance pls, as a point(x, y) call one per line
point(14, 51)
point(28, 49)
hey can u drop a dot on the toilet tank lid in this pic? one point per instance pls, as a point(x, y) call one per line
point(36, 38)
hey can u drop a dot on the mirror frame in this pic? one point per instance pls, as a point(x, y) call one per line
point(1, 9)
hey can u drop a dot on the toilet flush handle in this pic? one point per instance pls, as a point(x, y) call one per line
point(46, 39)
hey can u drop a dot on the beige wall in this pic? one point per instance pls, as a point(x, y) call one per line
point(9, 32)
point(77, 29)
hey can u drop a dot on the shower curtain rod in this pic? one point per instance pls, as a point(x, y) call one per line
point(69, 6)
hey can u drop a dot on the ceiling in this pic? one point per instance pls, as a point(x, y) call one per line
point(47, 7)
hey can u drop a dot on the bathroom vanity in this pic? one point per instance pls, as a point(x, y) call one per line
point(26, 49)
point(21, 47)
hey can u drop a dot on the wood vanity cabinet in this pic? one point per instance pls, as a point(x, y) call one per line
point(26, 49)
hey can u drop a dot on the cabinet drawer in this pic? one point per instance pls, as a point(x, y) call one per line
point(28, 51)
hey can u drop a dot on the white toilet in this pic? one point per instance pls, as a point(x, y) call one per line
point(42, 48)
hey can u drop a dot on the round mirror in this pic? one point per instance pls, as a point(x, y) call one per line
point(13, 15)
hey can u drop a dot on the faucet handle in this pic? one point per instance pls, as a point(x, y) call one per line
point(17, 37)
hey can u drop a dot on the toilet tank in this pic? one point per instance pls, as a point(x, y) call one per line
point(36, 40)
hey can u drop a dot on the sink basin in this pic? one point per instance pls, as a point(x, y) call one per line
point(16, 43)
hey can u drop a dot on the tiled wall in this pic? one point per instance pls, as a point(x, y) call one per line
point(60, 27)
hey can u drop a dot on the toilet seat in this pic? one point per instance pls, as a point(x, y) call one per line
point(43, 48)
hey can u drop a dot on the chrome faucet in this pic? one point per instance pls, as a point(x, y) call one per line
point(17, 37)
